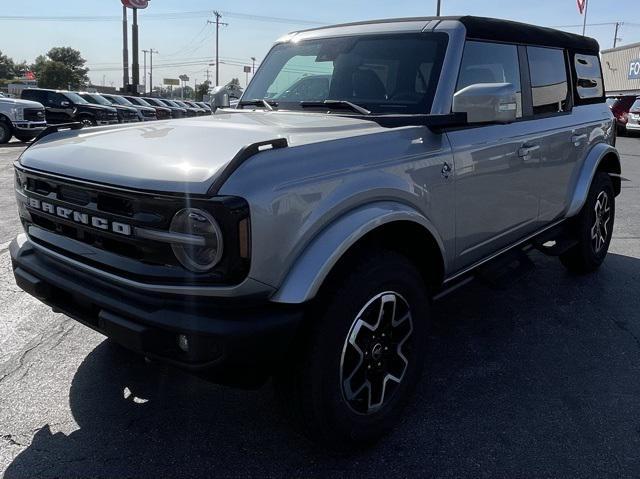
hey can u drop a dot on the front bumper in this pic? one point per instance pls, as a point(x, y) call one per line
point(30, 126)
point(633, 126)
point(225, 337)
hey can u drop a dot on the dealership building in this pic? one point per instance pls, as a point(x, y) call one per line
point(621, 68)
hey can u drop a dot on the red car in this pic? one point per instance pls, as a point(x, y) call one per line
point(620, 107)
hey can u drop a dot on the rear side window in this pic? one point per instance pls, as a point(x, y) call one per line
point(636, 106)
point(484, 62)
point(34, 95)
point(588, 76)
point(549, 85)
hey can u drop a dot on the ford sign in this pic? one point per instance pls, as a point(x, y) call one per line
point(634, 70)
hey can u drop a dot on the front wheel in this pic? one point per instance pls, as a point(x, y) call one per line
point(87, 121)
point(365, 353)
point(593, 227)
point(25, 137)
point(5, 132)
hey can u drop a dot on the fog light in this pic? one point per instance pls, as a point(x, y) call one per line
point(183, 343)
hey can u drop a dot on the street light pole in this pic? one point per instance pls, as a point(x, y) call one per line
point(125, 50)
point(144, 69)
point(135, 74)
point(438, 8)
point(151, 52)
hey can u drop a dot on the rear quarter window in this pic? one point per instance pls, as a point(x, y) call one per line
point(589, 82)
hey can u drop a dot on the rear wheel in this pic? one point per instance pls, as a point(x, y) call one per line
point(593, 227)
point(5, 132)
point(352, 378)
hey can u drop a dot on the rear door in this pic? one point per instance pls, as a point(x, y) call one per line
point(496, 201)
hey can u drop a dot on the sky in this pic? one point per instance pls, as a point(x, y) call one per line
point(185, 42)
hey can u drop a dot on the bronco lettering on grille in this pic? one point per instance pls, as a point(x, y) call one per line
point(79, 217)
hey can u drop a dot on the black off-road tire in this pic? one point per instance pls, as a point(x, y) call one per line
point(6, 132)
point(595, 218)
point(24, 137)
point(311, 387)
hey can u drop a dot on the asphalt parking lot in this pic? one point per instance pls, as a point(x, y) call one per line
point(537, 377)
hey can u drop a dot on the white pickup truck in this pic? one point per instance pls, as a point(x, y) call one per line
point(20, 118)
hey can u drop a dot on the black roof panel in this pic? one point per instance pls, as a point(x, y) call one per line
point(484, 28)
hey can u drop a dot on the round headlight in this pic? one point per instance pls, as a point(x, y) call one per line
point(198, 223)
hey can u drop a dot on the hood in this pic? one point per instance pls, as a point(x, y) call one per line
point(22, 103)
point(124, 108)
point(179, 155)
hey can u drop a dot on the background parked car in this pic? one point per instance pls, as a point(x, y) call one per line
point(119, 102)
point(176, 111)
point(191, 112)
point(20, 118)
point(125, 114)
point(65, 106)
point(161, 113)
point(206, 107)
point(620, 108)
point(633, 118)
point(199, 110)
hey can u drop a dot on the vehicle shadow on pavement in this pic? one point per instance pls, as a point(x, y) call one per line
point(538, 378)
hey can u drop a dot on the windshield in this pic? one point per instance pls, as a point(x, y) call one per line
point(97, 99)
point(139, 101)
point(171, 103)
point(75, 98)
point(396, 73)
point(182, 104)
point(120, 100)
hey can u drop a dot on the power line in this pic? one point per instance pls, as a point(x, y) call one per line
point(159, 16)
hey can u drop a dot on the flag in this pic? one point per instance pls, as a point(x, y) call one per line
point(581, 4)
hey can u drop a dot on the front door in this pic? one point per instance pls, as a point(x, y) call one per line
point(496, 166)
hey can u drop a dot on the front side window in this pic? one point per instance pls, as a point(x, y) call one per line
point(75, 98)
point(394, 73)
point(549, 85)
point(484, 62)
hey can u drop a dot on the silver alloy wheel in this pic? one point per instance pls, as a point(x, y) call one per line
point(600, 229)
point(373, 361)
point(86, 122)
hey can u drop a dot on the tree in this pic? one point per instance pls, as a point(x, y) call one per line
point(7, 67)
point(60, 68)
point(202, 90)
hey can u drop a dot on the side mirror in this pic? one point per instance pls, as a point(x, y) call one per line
point(487, 103)
point(64, 104)
point(219, 98)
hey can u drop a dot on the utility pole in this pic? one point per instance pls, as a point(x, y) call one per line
point(615, 35)
point(125, 50)
point(207, 71)
point(144, 70)
point(438, 8)
point(586, 9)
point(135, 74)
point(151, 52)
point(253, 66)
point(218, 24)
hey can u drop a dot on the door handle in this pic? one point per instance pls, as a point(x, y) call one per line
point(576, 139)
point(527, 149)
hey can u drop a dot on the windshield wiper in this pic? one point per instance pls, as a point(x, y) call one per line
point(268, 104)
point(336, 104)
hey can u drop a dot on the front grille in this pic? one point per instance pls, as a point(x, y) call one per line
point(126, 255)
point(34, 114)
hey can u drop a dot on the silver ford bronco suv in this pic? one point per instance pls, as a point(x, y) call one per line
point(367, 168)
